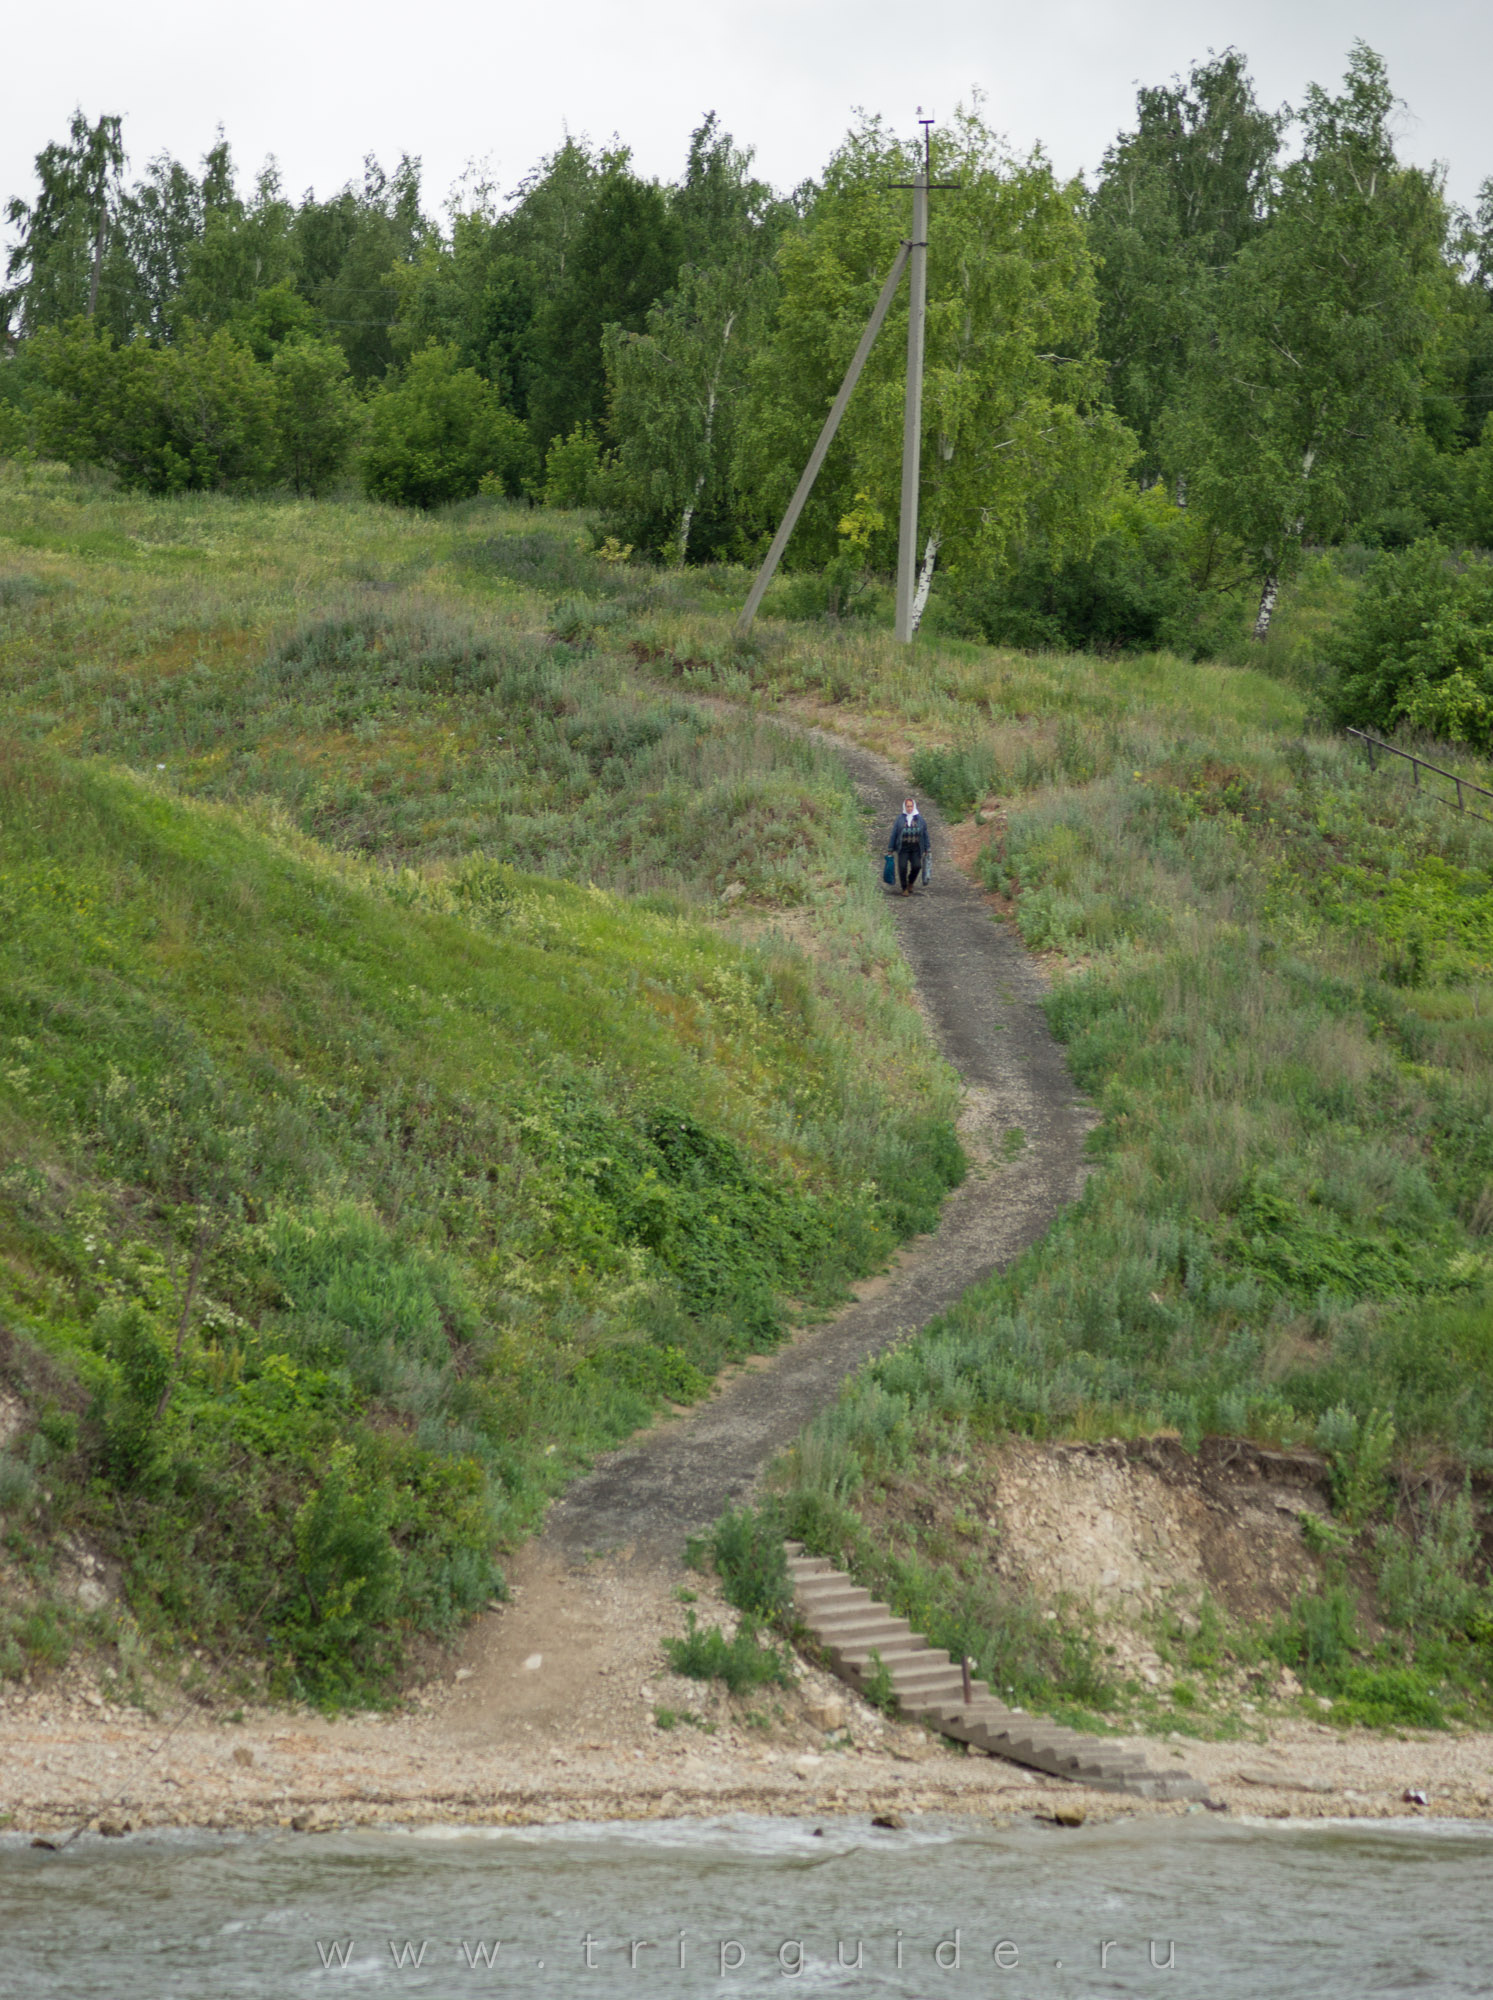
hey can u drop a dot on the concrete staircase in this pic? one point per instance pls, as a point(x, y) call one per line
point(850, 1626)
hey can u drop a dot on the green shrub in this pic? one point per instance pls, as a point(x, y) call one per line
point(436, 433)
point(742, 1662)
point(580, 618)
point(556, 561)
point(1320, 1632)
point(196, 414)
point(878, 1687)
point(956, 779)
point(747, 1547)
point(18, 590)
point(1387, 1697)
point(1360, 1451)
point(317, 415)
point(1416, 648)
point(1426, 1581)
point(1150, 580)
point(570, 468)
point(141, 1353)
point(334, 1630)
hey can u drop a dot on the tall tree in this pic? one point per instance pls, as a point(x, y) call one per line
point(674, 390)
point(479, 294)
point(55, 270)
point(160, 228)
point(1175, 201)
point(625, 256)
point(244, 248)
point(1301, 400)
point(1017, 440)
point(721, 208)
point(675, 393)
point(350, 252)
point(1475, 245)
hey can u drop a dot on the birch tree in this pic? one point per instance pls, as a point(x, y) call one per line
point(1303, 396)
point(1018, 442)
point(1175, 200)
point(674, 388)
point(55, 269)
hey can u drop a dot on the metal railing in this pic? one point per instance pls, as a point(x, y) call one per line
point(1419, 764)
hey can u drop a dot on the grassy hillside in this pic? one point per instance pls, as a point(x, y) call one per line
point(361, 1177)
point(1273, 969)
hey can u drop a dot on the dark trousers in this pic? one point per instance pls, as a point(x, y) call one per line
point(909, 865)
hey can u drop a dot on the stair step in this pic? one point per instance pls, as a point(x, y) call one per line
point(869, 1616)
point(929, 1684)
point(857, 1651)
point(831, 1590)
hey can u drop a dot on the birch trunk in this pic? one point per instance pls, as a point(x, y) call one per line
point(710, 401)
point(1268, 595)
point(925, 582)
point(1271, 588)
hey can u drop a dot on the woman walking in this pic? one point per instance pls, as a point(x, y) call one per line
point(911, 844)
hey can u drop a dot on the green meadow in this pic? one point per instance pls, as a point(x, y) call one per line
point(390, 1117)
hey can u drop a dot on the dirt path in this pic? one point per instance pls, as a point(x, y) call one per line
point(576, 1652)
point(981, 995)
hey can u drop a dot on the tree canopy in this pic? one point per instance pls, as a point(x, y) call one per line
point(1257, 331)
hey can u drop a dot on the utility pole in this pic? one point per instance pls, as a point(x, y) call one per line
point(826, 439)
point(912, 416)
point(912, 255)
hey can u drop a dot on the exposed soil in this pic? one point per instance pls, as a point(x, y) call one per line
point(1132, 1527)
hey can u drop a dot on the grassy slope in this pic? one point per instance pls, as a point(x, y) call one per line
point(1274, 972)
point(398, 1178)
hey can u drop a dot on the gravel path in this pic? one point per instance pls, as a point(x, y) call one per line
point(981, 994)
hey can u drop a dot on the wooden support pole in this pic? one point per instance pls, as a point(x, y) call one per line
point(912, 415)
point(826, 439)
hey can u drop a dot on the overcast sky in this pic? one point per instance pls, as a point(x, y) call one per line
point(319, 86)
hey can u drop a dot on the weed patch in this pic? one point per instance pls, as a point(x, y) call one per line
point(742, 1662)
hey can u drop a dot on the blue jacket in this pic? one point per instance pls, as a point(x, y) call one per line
point(918, 828)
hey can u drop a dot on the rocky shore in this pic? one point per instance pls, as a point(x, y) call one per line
point(560, 1707)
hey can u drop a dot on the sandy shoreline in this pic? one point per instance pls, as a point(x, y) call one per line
point(118, 1773)
point(560, 1707)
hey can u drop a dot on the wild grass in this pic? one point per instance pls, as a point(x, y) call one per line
point(362, 1179)
point(1272, 968)
point(742, 1662)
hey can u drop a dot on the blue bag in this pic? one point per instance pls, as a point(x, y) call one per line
point(889, 871)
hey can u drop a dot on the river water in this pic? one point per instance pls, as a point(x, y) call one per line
point(1186, 1909)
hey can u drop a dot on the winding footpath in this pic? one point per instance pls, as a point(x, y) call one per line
point(982, 996)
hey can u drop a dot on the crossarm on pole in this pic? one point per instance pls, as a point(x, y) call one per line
point(826, 439)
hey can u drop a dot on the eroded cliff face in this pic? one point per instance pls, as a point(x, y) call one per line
point(1136, 1527)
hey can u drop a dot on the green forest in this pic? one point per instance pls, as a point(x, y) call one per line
point(1257, 336)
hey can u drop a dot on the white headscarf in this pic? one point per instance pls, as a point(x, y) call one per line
point(909, 810)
